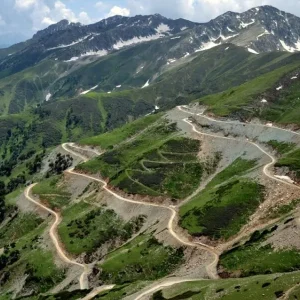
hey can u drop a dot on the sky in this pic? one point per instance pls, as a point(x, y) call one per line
point(22, 18)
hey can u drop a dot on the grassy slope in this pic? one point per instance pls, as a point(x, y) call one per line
point(49, 192)
point(258, 257)
point(140, 166)
point(221, 210)
point(85, 229)
point(110, 139)
point(24, 234)
point(238, 98)
point(258, 287)
point(144, 258)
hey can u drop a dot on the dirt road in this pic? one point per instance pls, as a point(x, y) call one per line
point(54, 237)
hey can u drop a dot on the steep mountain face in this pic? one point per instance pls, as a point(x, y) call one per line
point(260, 29)
point(69, 41)
point(67, 59)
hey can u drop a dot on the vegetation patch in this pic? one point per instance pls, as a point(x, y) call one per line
point(237, 98)
point(257, 257)
point(25, 257)
point(51, 193)
point(110, 139)
point(85, 229)
point(252, 288)
point(221, 212)
point(284, 209)
point(151, 164)
point(281, 147)
point(239, 167)
point(18, 226)
point(144, 258)
point(292, 161)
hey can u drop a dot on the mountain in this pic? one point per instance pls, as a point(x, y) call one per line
point(144, 150)
point(261, 29)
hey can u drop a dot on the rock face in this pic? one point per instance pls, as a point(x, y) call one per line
point(261, 29)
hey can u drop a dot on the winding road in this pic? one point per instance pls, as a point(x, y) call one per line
point(211, 268)
point(54, 237)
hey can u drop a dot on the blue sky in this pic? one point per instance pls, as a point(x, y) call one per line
point(25, 17)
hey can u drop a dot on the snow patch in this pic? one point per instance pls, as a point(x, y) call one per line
point(252, 51)
point(245, 25)
point(257, 8)
point(294, 77)
point(176, 37)
point(286, 178)
point(72, 59)
point(262, 34)
point(136, 40)
point(95, 53)
point(146, 84)
point(89, 53)
point(118, 86)
point(162, 28)
point(208, 45)
point(224, 38)
point(269, 124)
point(156, 107)
point(226, 48)
point(108, 92)
point(264, 101)
point(72, 44)
point(289, 48)
point(187, 54)
point(91, 89)
point(279, 88)
point(183, 28)
point(48, 96)
point(229, 29)
point(171, 60)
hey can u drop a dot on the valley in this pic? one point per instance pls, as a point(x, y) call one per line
point(146, 158)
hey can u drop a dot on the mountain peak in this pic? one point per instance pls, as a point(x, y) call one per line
point(61, 25)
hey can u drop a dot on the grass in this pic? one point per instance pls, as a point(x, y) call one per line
point(120, 291)
point(239, 167)
point(151, 165)
point(256, 259)
point(144, 258)
point(225, 205)
point(257, 256)
point(221, 212)
point(42, 270)
point(237, 98)
point(281, 147)
point(291, 160)
point(253, 288)
point(19, 226)
point(85, 229)
point(51, 193)
point(284, 209)
point(110, 139)
point(33, 262)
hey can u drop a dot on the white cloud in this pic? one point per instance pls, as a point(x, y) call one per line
point(61, 11)
point(116, 10)
point(24, 4)
point(84, 18)
point(101, 6)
